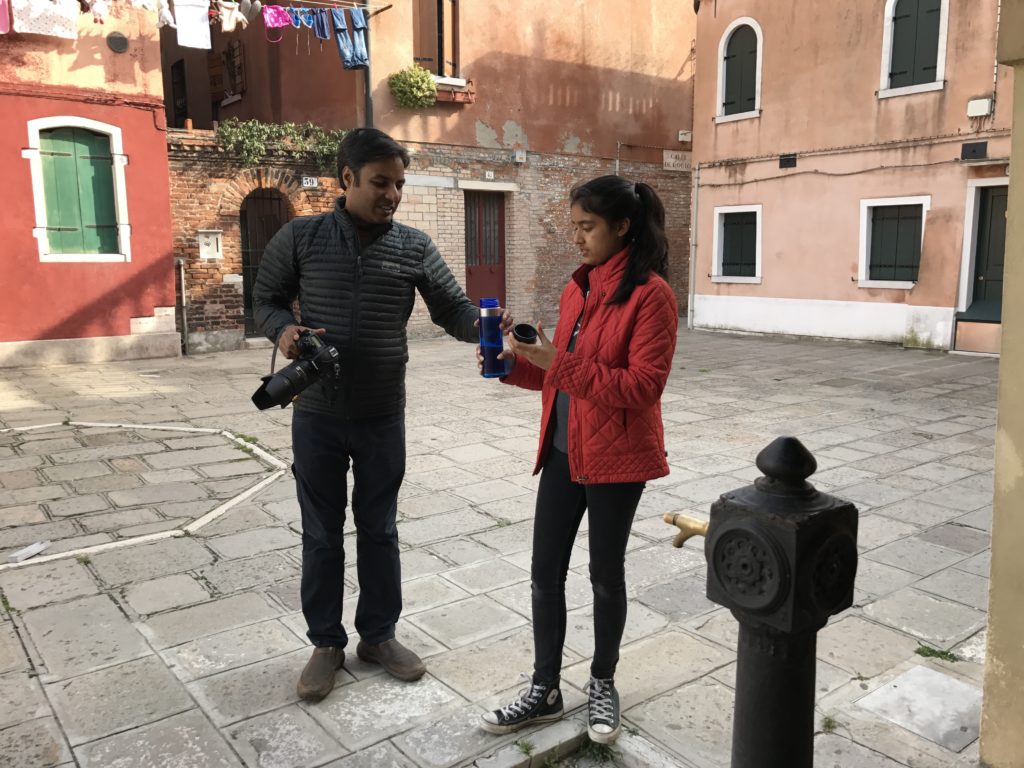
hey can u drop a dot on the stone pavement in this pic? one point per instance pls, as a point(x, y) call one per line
point(161, 627)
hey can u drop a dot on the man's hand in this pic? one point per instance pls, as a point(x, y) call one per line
point(287, 342)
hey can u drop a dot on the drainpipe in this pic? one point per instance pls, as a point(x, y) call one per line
point(180, 264)
point(368, 87)
point(694, 221)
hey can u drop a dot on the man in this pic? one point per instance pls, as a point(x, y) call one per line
point(355, 273)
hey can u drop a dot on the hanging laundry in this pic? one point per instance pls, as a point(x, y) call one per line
point(294, 15)
point(250, 9)
point(275, 17)
point(193, 19)
point(230, 16)
point(321, 24)
point(360, 55)
point(345, 50)
point(164, 16)
point(56, 19)
point(100, 9)
point(306, 14)
point(5, 17)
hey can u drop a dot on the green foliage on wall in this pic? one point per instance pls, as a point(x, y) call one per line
point(251, 140)
point(413, 88)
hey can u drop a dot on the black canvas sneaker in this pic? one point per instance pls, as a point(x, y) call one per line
point(603, 718)
point(538, 703)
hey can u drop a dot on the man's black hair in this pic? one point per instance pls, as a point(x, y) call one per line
point(367, 145)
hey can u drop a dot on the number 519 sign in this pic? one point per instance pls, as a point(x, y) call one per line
point(310, 182)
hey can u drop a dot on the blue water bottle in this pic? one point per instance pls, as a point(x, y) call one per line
point(491, 342)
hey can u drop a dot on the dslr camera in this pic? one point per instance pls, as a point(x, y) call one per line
point(316, 362)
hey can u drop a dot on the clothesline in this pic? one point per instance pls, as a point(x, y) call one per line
point(338, 4)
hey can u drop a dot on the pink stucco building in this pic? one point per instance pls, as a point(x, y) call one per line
point(851, 166)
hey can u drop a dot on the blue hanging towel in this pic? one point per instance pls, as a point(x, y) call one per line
point(321, 24)
point(362, 58)
point(345, 50)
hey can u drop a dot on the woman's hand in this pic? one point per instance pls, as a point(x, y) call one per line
point(506, 354)
point(541, 354)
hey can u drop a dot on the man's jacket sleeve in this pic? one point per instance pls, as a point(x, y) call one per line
point(449, 306)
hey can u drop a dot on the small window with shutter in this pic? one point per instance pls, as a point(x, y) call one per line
point(737, 244)
point(77, 167)
point(740, 67)
point(915, 42)
point(435, 36)
point(78, 187)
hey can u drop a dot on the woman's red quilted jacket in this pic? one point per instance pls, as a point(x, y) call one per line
point(614, 377)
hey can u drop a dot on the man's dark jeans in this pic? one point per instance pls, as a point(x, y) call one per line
point(324, 446)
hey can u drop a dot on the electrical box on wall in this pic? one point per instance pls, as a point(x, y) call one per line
point(979, 107)
point(210, 243)
point(519, 156)
point(686, 136)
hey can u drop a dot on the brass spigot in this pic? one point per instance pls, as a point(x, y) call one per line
point(688, 527)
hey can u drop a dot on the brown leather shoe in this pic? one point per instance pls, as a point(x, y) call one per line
point(396, 659)
point(317, 678)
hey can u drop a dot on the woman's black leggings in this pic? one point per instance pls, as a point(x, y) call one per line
point(560, 507)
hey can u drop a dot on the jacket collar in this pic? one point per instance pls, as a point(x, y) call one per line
point(349, 227)
point(607, 274)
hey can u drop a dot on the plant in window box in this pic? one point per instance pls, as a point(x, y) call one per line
point(413, 87)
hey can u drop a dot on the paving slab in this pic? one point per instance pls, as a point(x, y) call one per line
point(369, 711)
point(243, 693)
point(938, 707)
point(467, 621)
point(452, 739)
point(21, 699)
point(186, 740)
point(693, 720)
point(936, 621)
point(284, 738)
point(47, 583)
point(83, 634)
point(176, 627)
point(167, 592)
point(34, 744)
point(149, 561)
point(117, 698)
point(383, 755)
point(233, 648)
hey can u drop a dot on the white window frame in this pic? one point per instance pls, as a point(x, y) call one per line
point(32, 154)
point(925, 201)
point(718, 243)
point(884, 91)
point(756, 112)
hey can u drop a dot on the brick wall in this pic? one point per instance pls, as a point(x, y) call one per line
point(208, 188)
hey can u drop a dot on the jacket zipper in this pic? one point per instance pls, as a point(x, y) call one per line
point(580, 478)
point(353, 326)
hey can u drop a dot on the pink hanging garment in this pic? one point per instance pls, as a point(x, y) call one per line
point(5, 18)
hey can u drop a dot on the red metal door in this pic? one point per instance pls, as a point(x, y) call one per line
point(485, 245)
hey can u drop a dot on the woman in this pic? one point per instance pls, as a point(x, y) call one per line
point(601, 433)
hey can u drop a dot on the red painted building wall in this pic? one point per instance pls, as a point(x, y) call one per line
point(84, 79)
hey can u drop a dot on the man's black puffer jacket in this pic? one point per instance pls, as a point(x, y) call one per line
point(363, 297)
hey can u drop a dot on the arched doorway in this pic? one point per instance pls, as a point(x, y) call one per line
point(263, 212)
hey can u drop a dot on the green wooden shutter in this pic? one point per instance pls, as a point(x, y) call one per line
point(740, 93)
point(78, 189)
point(904, 43)
point(739, 244)
point(895, 242)
point(60, 190)
point(96, 192)
point(926, 50)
